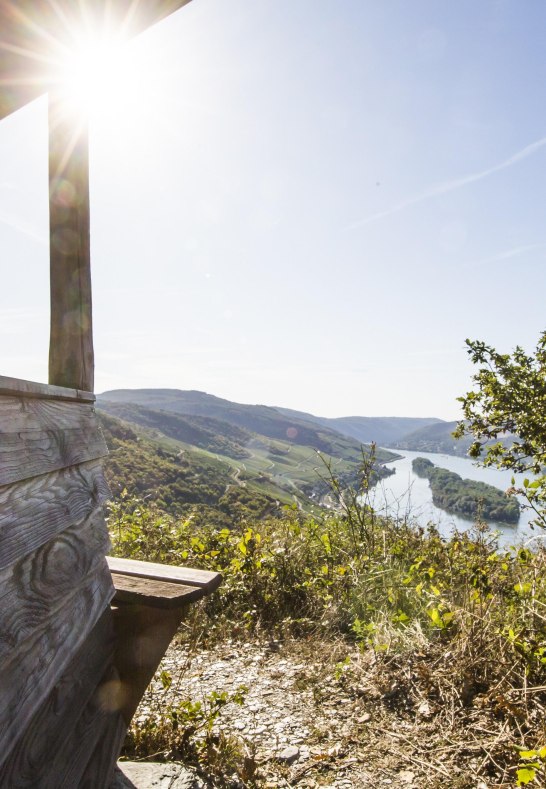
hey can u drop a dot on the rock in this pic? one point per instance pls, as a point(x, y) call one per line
point(424, 710)
point(289, 755)
point(150, 775)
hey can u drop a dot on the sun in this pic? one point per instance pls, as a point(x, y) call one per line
point(110, 84)
point(95, 75)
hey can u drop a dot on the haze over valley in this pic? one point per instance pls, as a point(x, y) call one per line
point(197, 454)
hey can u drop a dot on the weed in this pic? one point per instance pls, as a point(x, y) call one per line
point(186, 731)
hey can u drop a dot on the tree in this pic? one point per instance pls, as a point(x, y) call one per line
point(508, 408)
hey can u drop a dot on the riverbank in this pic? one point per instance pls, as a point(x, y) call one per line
point(407, 496)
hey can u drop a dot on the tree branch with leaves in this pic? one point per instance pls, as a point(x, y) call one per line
point(506, 416)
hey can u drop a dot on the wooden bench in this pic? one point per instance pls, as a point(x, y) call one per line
point(81, 635)
point(150, 601)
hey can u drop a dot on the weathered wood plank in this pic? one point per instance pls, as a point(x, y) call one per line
point(71, 357)
point(143, 634)
point(100, 769)
point(31, 389)
point(46, 748)
point(33, 511)
point(23, 413)
point(205, 580)
point(99, 736)
point(34, 589)
point(29, 677)
point(157, 594)
point(32, 453)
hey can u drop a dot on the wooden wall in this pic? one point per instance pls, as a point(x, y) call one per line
point(56, 638)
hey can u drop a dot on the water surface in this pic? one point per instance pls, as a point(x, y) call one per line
point(404, 494)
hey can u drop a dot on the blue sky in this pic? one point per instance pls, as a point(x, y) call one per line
point(305, 204)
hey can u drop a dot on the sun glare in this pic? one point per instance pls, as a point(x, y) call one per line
point(95, 77)
point(119, 87)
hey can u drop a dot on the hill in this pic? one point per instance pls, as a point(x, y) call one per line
point(207, 467)
point(439, 438)
point(434, 438)
point(201, 431)
point(382, 430)
point(256, 420)
point(180, 480)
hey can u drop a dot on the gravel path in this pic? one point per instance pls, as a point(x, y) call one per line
point(297, 723)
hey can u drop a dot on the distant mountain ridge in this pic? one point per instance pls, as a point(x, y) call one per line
point(435, 438)
point(197, 417)
point(261, 419)
point(382, 430)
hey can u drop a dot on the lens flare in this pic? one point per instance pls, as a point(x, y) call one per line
point(94, 75)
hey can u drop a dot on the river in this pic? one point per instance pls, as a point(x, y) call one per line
point(404, 494)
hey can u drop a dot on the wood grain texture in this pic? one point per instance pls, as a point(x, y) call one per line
point(33, 591)
point(71, 357)
point(33, 511)
point(31, 453)
point(31, 389)
point(29, 677)
point(157, 594)
point(23, 414)
point(93, 743)
point(46, 748)
point(108, 732)
point(203, 579)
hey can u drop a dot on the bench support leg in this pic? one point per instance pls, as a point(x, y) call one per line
point(143, 635)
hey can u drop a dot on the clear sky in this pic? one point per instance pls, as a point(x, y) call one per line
point(308, 204)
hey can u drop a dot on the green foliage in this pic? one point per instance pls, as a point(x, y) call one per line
point(186, 731)
point(385, 586)
point(510, 398)
point(362, 576)
point(531, 767)
point(466, 496)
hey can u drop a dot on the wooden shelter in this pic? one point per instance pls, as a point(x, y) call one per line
point(80, 635)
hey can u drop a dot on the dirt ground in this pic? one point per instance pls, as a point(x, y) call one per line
point(330, 715)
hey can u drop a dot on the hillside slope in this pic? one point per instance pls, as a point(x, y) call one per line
point(258, 420)
point(206, 467)
point(201, 431)
point(181, 479)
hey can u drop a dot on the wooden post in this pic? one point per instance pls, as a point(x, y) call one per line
point(71, 360)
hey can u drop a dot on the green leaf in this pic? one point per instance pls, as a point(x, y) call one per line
point(525, 775)
point(522, 588)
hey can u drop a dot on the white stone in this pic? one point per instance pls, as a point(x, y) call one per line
point(289, 755)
